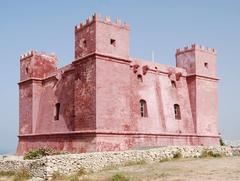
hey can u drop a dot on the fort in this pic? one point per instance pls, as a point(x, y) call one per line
point(105, 100)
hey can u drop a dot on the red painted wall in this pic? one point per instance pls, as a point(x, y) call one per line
point(100, 91)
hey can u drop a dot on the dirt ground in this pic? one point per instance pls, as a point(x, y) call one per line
point(226, 168)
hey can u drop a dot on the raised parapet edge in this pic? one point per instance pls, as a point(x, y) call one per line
point(28, 54)
point(97, 17)
point(196, 47)
point(35, 52)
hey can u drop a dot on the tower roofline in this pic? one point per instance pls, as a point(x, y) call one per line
point(97, 18)
point(35, 52)
point(194, 47)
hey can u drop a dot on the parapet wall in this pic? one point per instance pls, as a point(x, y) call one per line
point(97, 17)
point(94, 162)
point(35, 52)
point(196, 47)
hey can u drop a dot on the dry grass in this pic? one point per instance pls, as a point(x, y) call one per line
point(20, 175)
point(220, 168)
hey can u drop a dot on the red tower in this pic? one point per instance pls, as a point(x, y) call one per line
point(105, 100)
point(202, 80)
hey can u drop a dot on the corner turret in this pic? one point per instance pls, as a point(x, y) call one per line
point(197, 59)
point(200, 64)
point(36, 65)
point(102, 36)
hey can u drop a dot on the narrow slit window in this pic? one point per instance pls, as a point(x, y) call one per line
point(27, 70)
point(173, 83)
point(84, 43)
point(143, 108)
point(113, 42)
point(177, 111)
point(57, 111)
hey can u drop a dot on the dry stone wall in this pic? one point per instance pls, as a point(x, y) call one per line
point(97, 161)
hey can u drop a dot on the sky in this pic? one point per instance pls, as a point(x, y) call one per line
point(159, 26)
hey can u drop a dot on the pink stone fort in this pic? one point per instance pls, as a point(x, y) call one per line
point(105, 100)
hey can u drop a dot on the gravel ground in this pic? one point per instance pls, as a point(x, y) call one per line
point(220, 169)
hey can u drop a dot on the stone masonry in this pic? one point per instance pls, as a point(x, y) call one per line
point(105, 100)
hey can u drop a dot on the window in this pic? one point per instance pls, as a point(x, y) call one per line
point(27, 70)
point(84, 43)
point(177, 111)
point(139, 78)
point(206, 65)
point(57, 111)
point(173, 84)
point(143, 108)
point(113, 42)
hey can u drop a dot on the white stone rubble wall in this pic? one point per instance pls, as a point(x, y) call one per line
point(97, 161)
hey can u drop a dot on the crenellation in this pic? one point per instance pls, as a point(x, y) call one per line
point(118, 21)
point(28, 54)
point(97, 18)
point(107, 19)
point(194, 47)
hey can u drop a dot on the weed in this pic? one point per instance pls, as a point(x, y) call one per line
point(41, 152)
point(119, 177)
point(222, 142)
point(21, 175)
point(7, 173)
point(177, 155)
point(164, 159)
point(81, 172)
point(57, 176)
point(73, 178)
point(209, 153)
point(135, 162)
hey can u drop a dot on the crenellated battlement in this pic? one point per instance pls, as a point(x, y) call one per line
point(28, 54)
point(97, 17)
point(35, 52)
point(196, 47)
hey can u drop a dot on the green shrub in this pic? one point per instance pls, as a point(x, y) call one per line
point(119, 177)
point(204, 154)
point(222, 142)
point(81, 172)
point(209, 153)
point(177, 155)
point(41, 152)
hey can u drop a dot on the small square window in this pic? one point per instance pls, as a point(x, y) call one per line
point(139, 78)
point(113, 42)
point(206, 65)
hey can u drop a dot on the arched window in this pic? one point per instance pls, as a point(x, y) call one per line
point(143, 108)
point(177, 111)
point(57, 111)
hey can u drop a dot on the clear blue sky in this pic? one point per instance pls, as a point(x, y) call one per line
point(157, 25)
